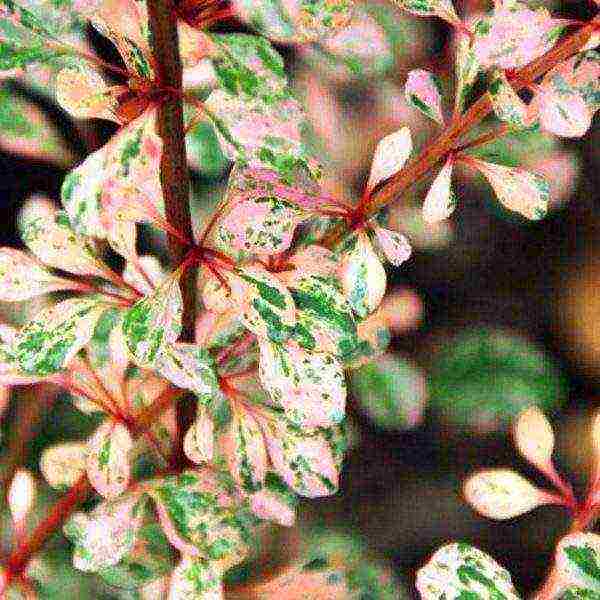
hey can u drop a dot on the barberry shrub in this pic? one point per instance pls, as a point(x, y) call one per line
point(209, 346)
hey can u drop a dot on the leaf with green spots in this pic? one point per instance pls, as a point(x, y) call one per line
point(201, 516)
point(391, 390)
point(47, 343)
point(244, 448)
point(514, 35)
point(482, 378)
point(308, 386)
point(276, 501)
point(248, 65)
point(260, 225)
point(502, 494)
point(153, 322)
point(578, 561)
point(422, 91)
point(196, 579)
point(467, 69)
point(308, 462)
point(47, 232)
point(428, 8)
point(149, 559)
point(325, 321)
point(81, 193)
point(362, 276)
point(189, 367)
point(507, 105)
point(295, 21)
point(266, 304)
point(106, 535)
point(109, 459)
point(31, 33)
point(521, 191)
point(459, 571)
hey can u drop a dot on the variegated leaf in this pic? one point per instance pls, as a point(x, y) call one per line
point(200, 517)
point(308, 463)
point(48, 343)
point(309, 386)
point(22, 277)
point(390, 155)
point(422, 91)
point(125, 23)
point(84, 94)
point(275, 501)
point(266, 304)
point(81, 192)
point(47, 232)
point(325, 321)
point(426, 8)
point(467, 68)
point(394, 245)
point(153, 322)
point(563, 114)
point(196, 579)
point(64, 464)
point(103, 537)
point(362, 276)
point(109, 459)
point(440, 201)
point(514, 35)
point(244, 447)
point(312, 260)
point(502, 494)
point(508, 107)
point(517, 189)
point(263, 226)
point(295, 21)
point(190, 367)
point(26, 29)
point(458, 571)
point(578, 561)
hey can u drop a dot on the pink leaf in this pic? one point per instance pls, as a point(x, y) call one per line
point(269, 506)
point(423, 93)
point(394, 245)
point(520, 191)
point(109, 460)
point(514, 36)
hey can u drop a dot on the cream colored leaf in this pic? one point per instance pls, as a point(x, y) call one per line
point(198, 443)
point(23, 277)
point(534, 437)
point(64, 464)
point(501, 494)
point(390, 155)
point(440, 201)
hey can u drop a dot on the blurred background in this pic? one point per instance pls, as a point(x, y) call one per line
point(490, 314)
